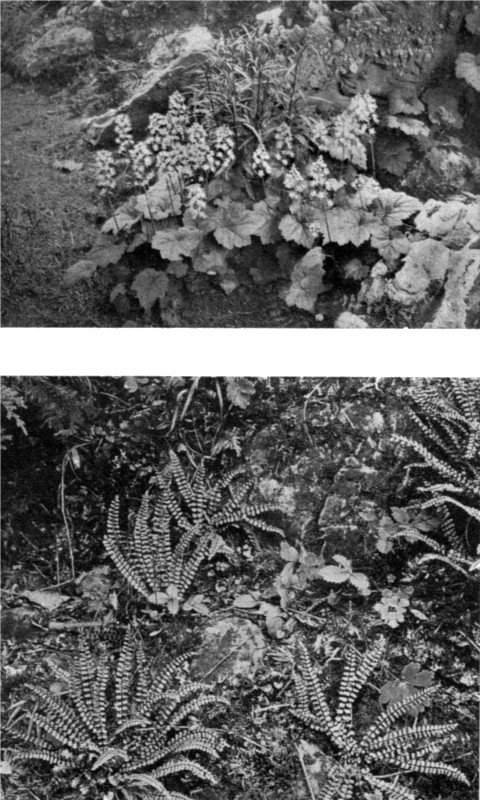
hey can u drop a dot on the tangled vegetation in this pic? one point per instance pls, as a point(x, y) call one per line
point(313, 151)
point(108, 595)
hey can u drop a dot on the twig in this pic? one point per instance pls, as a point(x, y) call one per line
point(65, 461)
point(71, 626)
point(305, 773)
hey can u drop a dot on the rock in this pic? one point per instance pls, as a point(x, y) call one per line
point(270, 19)
point(173, 59)
point(348, 320)
point(239, 642)
point(57, 47)
point(460, 307)
point(425, 266)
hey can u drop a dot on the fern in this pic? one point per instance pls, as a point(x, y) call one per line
point(163, 555)
point(120, 727)
point(447, 415)
point(406, 749)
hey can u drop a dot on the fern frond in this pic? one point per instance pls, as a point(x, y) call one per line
point(314, 689)
point(111, 754)
point(433, 768)
point(123, 677)
point(391, 714)
point(185, 765)
point(145, 782)
point(64, 720)
point(392, 791)
point(55, 759)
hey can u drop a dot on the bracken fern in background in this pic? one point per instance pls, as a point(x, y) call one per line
point(121, 732)
point(406, 749)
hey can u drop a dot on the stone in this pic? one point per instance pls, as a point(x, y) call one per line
point(232, 649)
point(55, 49)
point(348, 320)
point(425, 268)
point(173, 59)
point(460, 306)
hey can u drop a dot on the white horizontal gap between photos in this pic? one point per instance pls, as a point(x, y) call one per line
point(261, 352)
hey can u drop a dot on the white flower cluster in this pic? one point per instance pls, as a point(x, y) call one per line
point(158, 130)
point(261, 161)
point(123, 134)
point(142, 164)
point(364, 109)
point(284, 144)
point(176, 147)
point(317, 185)
point(223, 148)
point(105, 171)
point(295, 184)
point(196, 201)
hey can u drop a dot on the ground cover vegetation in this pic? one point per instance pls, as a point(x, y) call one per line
point(144, 516)
point(309, 155)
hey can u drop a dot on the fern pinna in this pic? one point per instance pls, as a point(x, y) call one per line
point(121, 733)
point(407, 749)
point(447, 414)
point(163, 555)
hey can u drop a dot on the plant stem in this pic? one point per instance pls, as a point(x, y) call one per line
point(305, 773)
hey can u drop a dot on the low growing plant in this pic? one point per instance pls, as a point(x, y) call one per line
point(162, 557)
point(355, 767)
point(121, 733)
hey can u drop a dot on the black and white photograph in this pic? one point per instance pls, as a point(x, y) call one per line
point(247, 164)
point(233, 588)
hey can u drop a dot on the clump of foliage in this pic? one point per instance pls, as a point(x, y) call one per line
point(117, 735)
point(162, 560)
point(407, 749)
point(447, 416)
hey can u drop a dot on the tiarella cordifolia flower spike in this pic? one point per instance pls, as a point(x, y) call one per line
point(284, 144)
point(105, 170)
point(295, 184)
point(198, 150)
point(317, 176)
point(364, 108)
point(123, 134)
point(223, 147)
point(177, 112)
point(142, 164)
point(261, 162)
point(158, 129)
point(196, 201)
point(319, 134)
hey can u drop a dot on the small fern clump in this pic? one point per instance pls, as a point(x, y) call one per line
point(406, 749)
point(122, 732)
point(447, 414)
point(168, 546)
